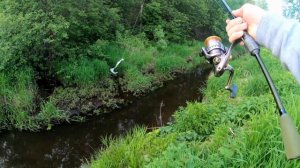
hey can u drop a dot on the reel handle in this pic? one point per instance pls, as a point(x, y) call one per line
point(290, 136)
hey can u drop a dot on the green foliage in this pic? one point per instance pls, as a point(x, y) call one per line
point(182, 19)
point(44, 33)
point(200, 119)
point(256, 86)
point(159, 37)
point(176, 155)
point(75, 43)
point(235, 4)
point(167, 64)
point(134, 149)
point(144, 66)
point(17, 99)
point(50, 113)
point(111, 52)
point(136, 81)
point(30, 36)
point(292, 9)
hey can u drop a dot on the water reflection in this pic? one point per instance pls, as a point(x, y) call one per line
point(70, 145)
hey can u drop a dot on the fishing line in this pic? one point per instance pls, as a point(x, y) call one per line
point(214, 52)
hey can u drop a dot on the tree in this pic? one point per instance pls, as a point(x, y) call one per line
point(292, 10)
point(29, 35)
point(39, 33)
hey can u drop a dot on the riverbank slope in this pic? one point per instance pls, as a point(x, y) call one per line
point(86, 87)
point(219, 132)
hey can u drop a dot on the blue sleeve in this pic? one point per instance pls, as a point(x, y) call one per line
point(282, 37)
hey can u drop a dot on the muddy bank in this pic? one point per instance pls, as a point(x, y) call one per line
point(69, 145)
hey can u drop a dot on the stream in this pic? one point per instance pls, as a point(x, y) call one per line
point(72, 144)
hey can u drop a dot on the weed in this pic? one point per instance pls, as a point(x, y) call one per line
point(49, 113)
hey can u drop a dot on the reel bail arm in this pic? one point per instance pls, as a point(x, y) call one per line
point(217, 55)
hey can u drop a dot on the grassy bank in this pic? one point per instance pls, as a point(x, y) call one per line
point(86, 85)
point(219, 132)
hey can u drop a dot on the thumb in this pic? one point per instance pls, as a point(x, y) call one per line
point(238, 12)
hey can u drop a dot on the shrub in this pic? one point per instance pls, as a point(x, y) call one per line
point(159, 37)
point(136, 82)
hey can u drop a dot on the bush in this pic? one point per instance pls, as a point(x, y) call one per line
point(136, 82)
point(159, 37)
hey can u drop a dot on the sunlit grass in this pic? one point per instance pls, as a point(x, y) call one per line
point(134, 149)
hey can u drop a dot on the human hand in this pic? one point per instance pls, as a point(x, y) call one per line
point(247, 19)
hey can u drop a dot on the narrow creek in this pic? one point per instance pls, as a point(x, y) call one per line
point(70, 145)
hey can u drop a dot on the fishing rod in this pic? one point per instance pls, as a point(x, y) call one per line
point(218, 55)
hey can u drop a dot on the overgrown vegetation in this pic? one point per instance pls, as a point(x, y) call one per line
point(88, 87)
point(71, 45)
point(219, 132)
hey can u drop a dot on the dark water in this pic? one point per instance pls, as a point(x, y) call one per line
point(70, 145)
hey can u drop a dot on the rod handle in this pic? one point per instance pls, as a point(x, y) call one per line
point(250, 44)
point(249, 41)
point(291, 137)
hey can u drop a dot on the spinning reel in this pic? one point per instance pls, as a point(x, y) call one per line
point(218, 55)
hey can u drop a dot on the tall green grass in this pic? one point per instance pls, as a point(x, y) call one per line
point(83, 72)
point(145, 64)
point(17, 99)
point(19, 110)
point(134, 149)
point(49, 113)
point(222, 132)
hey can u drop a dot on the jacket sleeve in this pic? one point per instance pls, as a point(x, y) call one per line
point(282, 37)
